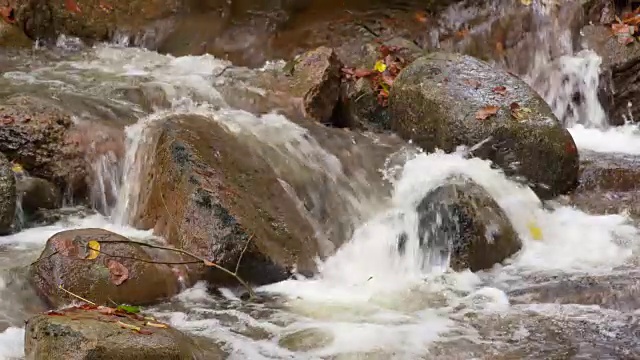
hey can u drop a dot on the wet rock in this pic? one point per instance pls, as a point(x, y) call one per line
point(35, 193)
point(44, 140)
point(620, 71)
point(7, 196)
point(462, 218)
point(63, 263)
point(95, 20)
point(437, 102)
point(12, 37)
point(316, 79)
point(607, 172)
point(616, 291)
point(87, 334)
point(44, 217)
point(359, 106)
point(210, 194)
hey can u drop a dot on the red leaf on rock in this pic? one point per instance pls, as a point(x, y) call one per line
point(500, 90)
point(54, 313)
point(118, 272)
point(66, 247)
point(486, 112)
point(514, 106)
point(621, 29)
point(106, 310)
point(145, 332)
point(387, 79)
point(6, 12)
point(72, 6)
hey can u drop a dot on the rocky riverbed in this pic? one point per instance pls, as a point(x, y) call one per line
point(317, 180)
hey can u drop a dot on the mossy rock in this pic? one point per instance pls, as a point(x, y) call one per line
point(435, 102)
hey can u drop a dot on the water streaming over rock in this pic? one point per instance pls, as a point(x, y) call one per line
point(368, 300)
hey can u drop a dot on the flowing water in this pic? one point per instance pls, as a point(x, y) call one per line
point(367, 301)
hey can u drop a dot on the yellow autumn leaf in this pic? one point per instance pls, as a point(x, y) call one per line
point(380, 66)
point(17, 168)
point(526, 2)
point(156, 325)
point(94, 250)
point(534, 229)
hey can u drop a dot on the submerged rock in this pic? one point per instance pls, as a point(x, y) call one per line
point(446, 100)
point(114, 275)
point(36, 193)
point(7, 196)
point(460, 217)
point(210, 194)
point(78, 334)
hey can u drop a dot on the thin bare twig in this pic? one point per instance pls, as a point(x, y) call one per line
point(149, 261)
point(77, 296)
point(242, 253)
point(203, 260)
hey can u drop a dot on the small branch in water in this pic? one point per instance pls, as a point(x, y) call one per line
point(201, 259)
point(44, 258)
point(77, 296)
point(242, 253)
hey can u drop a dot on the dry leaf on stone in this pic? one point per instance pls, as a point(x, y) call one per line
point(156, 325)
point(128, 326)
point(500, 90)
point(118, 272)
point(93, 250)
point(487, 112)
point(72, 6)
point(65, 247)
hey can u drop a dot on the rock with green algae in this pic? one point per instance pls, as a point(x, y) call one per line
point(87, 334)
point(438, 102)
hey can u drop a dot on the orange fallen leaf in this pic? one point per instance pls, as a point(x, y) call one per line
point(621, 29)
point(6, 12)
point(421, 16)
point(72, 6)
point(486, 112)
point(118, 273)
point(500, 90)
point(363, 72)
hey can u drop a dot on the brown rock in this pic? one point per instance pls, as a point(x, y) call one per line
point(7, 196)
point(212, 195)
point(36, 193)
point(63, 263)
point(77, 334)
point(621, 67)
point(316, 79)
point(604, 172)
point(12, 37)
point(42, 138)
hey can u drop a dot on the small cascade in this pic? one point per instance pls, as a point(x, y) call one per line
point(106, 187)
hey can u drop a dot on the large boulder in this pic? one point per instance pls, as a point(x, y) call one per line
point(122, 272)
point(84, 334)
point(210, 194)
point(446, 100)
point(461, 219)
point(7, 196)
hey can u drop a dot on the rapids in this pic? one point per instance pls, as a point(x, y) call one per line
point(367, 301)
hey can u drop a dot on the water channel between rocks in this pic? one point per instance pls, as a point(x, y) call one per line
point(367, 302)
